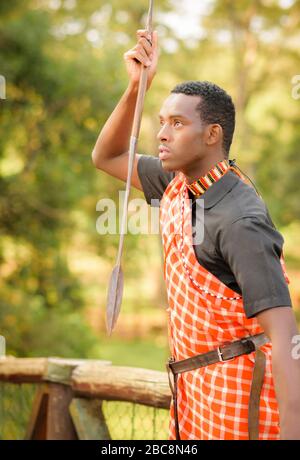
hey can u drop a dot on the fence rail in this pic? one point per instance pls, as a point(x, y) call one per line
point(73, 399)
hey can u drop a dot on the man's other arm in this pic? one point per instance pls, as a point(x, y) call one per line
point(280, 326)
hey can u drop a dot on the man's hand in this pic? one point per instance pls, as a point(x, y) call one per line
point(142, 54)
point(110, 153)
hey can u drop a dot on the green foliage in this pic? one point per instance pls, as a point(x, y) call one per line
point(64, 72)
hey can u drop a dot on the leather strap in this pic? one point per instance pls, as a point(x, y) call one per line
point(226, 352)
point(255, 392)
point(176, 409)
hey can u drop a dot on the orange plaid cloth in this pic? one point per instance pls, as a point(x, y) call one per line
point(203, 314)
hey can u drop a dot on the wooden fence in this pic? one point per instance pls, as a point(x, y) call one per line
point(69, 397)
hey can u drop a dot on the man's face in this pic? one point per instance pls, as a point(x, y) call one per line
point(182, 133)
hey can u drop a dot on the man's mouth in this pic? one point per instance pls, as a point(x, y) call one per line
point(164, 153)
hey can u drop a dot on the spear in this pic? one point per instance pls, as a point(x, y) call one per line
point(116, 284)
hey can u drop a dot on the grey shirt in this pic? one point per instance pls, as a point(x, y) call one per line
point(240, 245)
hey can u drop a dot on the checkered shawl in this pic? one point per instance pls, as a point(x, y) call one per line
point(203, 314)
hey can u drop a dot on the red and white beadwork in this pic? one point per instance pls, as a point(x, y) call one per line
point(199, 186)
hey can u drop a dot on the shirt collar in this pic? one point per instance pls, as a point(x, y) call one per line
point(216, 193)
point(219, 189)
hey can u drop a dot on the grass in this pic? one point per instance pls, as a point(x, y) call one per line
point(149, 354)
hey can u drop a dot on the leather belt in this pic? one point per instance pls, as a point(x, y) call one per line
point(225, 353)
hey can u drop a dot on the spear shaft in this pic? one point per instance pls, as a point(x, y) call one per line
point(116, 284)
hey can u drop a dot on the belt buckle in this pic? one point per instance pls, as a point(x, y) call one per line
point(220, 355)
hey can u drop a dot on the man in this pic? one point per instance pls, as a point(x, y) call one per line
point(230, 286)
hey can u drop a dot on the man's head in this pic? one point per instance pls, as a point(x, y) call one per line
point(204, 130)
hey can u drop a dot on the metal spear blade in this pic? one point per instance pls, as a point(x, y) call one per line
point(114, 297)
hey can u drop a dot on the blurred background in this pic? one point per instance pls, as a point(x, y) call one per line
point(62, 61)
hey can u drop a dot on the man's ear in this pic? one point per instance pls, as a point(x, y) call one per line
point(214, 134)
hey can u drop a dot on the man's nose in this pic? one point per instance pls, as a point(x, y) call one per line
point(164, 133)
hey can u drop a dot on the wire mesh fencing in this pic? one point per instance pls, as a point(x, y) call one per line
point(15, 409)
point(130, 421)
point(124, 420)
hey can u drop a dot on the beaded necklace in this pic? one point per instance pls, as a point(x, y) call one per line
point(199, 186)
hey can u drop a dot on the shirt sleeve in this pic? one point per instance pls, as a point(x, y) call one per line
point(252, 247)
point(153, 178)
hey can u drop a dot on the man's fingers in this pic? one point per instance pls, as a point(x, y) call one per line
point(141, 51)
point(144, 52)
point(146, 45)
point(143, 33)
point(154, 39)
point(139, 56)
point(151, 48)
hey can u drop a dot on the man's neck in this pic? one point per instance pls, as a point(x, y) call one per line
point(202, 168)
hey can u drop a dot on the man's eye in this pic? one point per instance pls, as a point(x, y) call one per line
point(177, 122)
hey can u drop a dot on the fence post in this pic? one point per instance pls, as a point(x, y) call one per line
point(88, 419)
point(50, 417)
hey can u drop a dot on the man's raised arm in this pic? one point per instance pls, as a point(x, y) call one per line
point(110, 153)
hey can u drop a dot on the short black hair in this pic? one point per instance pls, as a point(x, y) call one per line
point(215, 106)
